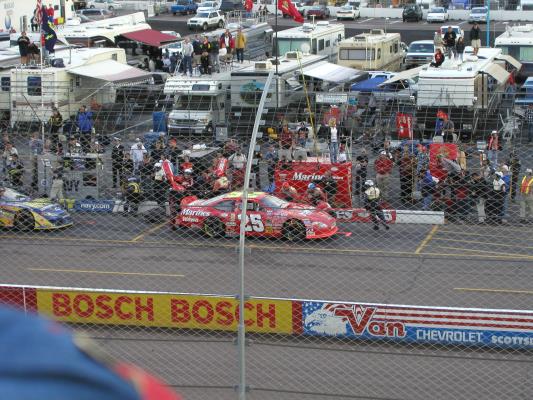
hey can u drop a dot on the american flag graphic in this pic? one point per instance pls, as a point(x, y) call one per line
point(38, 12)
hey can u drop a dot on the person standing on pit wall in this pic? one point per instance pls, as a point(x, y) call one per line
point(475, 38)
point(493, 148)
point(333, 134)
point(240, 45)
point(526, 197)
point(372, 205)
point(383, 167)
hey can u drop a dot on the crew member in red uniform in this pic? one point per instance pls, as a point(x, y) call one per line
point(289, 193)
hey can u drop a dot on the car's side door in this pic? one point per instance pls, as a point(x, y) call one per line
point(255, 218)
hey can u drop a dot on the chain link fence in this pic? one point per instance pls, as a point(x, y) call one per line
point(414, 285)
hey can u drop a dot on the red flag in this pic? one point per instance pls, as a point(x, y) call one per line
point(248, 5)
point(286, 7)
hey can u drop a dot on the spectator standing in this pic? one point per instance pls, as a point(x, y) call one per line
point(197, 48)
point(479, 190)
point(227, 42)
point(137, 153)
point(151, 65)
point(9, 152)
point(383, 167)
point(157, 151)
point(475, 38)
point(330, 187)
point(15, 171)
point(214, 61)
point(361, 167)
point(407, 167)
point(85, 125)
point(449, 41)
point(187, 51)
point(36, 145)
point(56, 190)
point(529, 117)
point(285, 137)
point(166, 64)
point(496, 198)
point(526, 196)
point(437, 41)
point(333, 134)
point(117, 158)
point(240, 45)
point(204, 59)
point(514, 165)
point(172, 153)
point(56, 123)
point(439, 59)
point(460, 47)
point(507, 179)
point(23, 42)
point(426, 186)
point(493, 148)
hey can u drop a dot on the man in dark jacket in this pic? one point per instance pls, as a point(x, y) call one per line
point(85, 125)
point(449, 42)
point(117, 158)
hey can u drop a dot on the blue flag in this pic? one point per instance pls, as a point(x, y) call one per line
point(47, 28)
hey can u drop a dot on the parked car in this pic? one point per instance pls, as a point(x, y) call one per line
point(348, 12)
point(208, 6)
point(205, 20)
point(184, 7)
point(437, 14)
point(478, 14)
point(419, 52)
point(456, 28)
point(94, 14)
point(412, 12)
point(105, 4)
point(320, 11)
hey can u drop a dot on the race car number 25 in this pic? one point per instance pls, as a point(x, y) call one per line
point(254, 223)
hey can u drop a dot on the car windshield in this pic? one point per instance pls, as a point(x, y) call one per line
point(410, 7)
point(202, 15)
point(480, 10)
point(346, 8)
point(317, 8)
point(12, 195)
point(437, 10)
point(273, 202)
point(421, 48)
point(194, 102)
point(207, 4)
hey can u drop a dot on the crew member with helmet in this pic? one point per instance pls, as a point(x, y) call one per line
point(289, 192)
point(315, 195)
point(132, 196)
point(372, 204)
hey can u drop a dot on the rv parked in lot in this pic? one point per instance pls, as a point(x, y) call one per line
point(470, 92)
point(319, 39)
point(371, 51)
point(517, 41)
point(75, 77)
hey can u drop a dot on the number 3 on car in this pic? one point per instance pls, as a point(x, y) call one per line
point(254, 223)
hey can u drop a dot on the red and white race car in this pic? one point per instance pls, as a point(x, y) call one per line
point(266, 215)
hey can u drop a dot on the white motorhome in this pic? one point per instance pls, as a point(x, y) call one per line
point(248, 83)
point(517, 42)
point(16, 15)
point(321, 38)
point(74, 77)
point(470, 92)
point(200, 102)
point(373, 50)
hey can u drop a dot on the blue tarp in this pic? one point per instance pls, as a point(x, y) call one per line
point(370, 85)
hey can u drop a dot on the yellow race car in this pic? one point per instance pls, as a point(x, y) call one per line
point(22, 213)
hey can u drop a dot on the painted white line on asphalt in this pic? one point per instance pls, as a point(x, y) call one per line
point(394, 22)
point(461, 23)
point(365, 20)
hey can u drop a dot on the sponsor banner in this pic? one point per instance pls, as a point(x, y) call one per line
point(164, 310)
point(105, 206)
point(362, 215)
point(302, 174)
point(446, 326)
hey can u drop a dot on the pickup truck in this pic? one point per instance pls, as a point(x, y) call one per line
point(184, 7)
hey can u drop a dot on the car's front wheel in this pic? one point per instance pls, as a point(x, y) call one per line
point(221, 24)
point(213, 228)
point(294, 230)
point(24, 221)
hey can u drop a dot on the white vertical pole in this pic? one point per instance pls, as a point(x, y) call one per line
point(241, 335)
